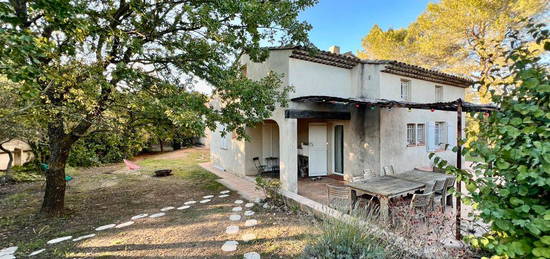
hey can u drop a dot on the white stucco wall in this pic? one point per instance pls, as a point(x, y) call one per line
point(309, 78)
point(421, 91)
point(26, 154)
point(393, 138)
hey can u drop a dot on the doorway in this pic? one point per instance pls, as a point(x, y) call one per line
point(317, 163)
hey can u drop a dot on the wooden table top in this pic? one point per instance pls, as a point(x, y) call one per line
point(422, 176)
point(386, 186)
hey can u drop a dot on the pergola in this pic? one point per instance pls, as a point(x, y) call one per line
point(458, 105)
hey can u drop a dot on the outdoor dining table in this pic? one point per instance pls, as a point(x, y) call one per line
point(385, 188)
point(422, 176)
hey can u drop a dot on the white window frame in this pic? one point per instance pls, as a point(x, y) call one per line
point(420, 134)
point(411, 134)
point(406, 89)
point(439, 93)
point(441, 134)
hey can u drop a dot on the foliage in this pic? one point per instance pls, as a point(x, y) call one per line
point(344, 240)
point(455, 36)
point(105, 148)
point(272, 189)
point(82, 63)
point(509, 185)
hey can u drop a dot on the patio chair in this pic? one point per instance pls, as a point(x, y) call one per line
point(339, 197)
point(261, 168)
point(422, 201)
point(358, 178)
point(388, 170)
point(439, 192)
point(447, 197)
point(368, 174)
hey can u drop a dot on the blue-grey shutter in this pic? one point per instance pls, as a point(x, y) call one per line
point(430, 136)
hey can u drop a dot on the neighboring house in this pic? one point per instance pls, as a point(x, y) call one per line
point(22, 153)
point(328, 121)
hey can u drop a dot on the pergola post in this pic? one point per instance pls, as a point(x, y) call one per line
point(458, 165)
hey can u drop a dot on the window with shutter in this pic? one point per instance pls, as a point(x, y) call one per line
point(438, 93)
point(420, 134)
point(406, 89)
point(411, 134)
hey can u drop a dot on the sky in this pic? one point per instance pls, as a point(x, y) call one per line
point(345, 22)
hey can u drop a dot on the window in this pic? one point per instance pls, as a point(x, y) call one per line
point(339, 149)
point(415, 134)
point(440, 133)
point(224, 140)
point(420, 134)
point(411, 134)
point(405, 90)
point(438, 93)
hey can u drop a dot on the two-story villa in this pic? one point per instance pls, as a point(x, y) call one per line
point(345, 115)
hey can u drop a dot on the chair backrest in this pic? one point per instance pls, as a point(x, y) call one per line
point(341, 193)
point(388, 170)
point(450, 182)
point(369, 173)
point(439, 185)
point(422, 200)
point(358, 178)
point(257, 163)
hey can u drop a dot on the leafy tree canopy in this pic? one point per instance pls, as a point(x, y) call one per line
point(455, 36)
point(84, 62)
point(510, 183)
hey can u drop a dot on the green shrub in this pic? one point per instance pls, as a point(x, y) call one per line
point(344, 240)
point(271, 188)
point(510, 181)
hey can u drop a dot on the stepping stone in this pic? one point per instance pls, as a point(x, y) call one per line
point(8, 250)
point(205, 201)
point(139, 216)
point(249, 205)
point(252, 255)
point(105, 227)
point(208, 196)
point(184, 207)
point(232, 230)
point(59, 239)
point(239, 202)
point(225, 192)
point(223, 196)
point(8, 256)
point(83, 237)
point(249, 213)
point(250, 223)
point(37, 252)
point(190, 202)
point(237, 209)
point(125, 224)
point(249, 237)
point(156, 215)
point(230, 246)
point(235, 217)
point(167, 208)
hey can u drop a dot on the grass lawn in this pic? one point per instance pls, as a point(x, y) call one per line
point(112, 194)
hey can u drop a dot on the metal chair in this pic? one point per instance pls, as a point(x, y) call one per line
point(261, 168)
point(388, 170)
point(339, 197)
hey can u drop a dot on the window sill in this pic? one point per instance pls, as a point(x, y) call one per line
point(415, 145)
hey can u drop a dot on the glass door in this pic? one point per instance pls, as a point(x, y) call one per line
point(339, 149)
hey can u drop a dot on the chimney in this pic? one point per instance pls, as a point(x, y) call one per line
point(334, 49)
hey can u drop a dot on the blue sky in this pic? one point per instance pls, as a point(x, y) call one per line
point(346, 22)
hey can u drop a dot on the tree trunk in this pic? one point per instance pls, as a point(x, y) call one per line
point(161, 146)
point(54, 196)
